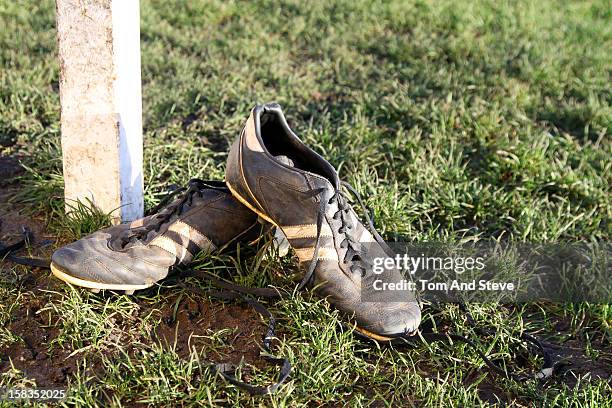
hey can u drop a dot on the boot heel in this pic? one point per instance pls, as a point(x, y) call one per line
point(247, 204)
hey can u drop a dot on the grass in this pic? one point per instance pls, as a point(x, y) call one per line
point(453, 119)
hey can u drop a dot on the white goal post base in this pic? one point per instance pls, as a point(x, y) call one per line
point(101, 108)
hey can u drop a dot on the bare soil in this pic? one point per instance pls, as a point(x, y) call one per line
point(195, 321)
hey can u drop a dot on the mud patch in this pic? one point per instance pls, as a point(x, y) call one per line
point(13, 219)
point(492, 393)
point(29, 349)
point(576, 364)
point(225, 333)
point(9, 169)
point(570, 353)
point(217, 332)
point(31, 355)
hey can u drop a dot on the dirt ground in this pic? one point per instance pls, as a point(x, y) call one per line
point(194, 319)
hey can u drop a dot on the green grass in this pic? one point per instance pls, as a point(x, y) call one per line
point(453, 119)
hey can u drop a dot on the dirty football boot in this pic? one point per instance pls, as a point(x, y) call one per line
point(272, 172)
point(135, 255)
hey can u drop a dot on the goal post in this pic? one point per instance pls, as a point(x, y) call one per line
point(101, 104)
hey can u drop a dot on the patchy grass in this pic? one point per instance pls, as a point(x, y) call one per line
point(453, 119)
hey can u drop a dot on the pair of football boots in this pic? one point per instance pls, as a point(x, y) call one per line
point(271, 175)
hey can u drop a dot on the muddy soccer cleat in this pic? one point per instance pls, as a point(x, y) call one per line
point(272, 172)
point(135, 256)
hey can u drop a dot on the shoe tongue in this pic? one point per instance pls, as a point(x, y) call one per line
point(285, 160)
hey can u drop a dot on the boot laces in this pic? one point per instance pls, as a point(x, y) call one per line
point(356, 254)
point(194, 188)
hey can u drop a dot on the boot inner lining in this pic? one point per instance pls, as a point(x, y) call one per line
point(279, 142)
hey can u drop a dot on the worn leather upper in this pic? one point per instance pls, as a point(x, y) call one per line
point(279, 176)
point(143, 251)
